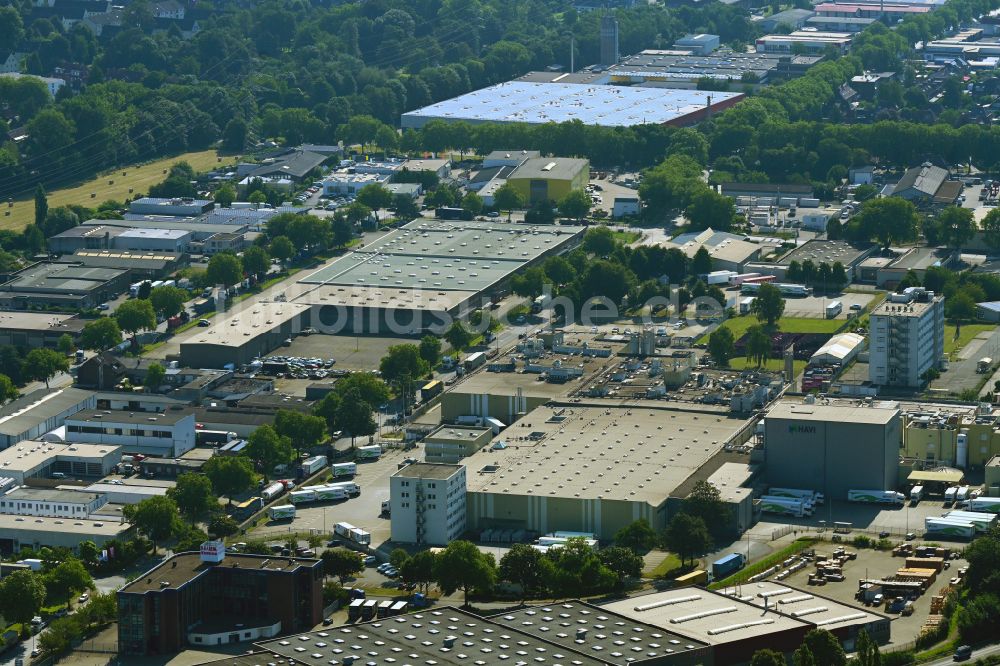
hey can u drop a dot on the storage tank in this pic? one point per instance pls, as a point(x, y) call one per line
point(962, 449)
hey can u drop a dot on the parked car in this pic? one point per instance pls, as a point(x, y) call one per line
point(963, 652)
point(83, 598)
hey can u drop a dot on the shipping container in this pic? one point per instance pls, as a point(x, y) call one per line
point(727, 565)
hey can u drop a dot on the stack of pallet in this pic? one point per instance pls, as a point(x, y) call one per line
point(936, 563)
point(937, 603)
point(925, 577)
point(932, 623)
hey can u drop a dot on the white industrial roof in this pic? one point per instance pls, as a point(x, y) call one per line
point(840, 347)
point(539, 103)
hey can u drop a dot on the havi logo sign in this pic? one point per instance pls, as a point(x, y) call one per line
point(802, 429)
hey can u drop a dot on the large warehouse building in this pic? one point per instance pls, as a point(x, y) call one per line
point(577, 468)
point(244, 334)
point(608, 106)
point(833, 448)
point(418, 277)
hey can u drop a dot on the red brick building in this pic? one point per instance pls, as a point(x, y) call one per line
point(189, 600)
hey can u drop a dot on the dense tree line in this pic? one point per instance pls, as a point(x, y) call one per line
point(289, 70)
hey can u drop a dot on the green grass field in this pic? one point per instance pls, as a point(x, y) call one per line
point(670, 563)
point(111, 185)
point(739, 325)
point(774, 364)
point(968, 332)
point(626, 237)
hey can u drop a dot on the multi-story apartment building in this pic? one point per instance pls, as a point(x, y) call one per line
point(906, 338)
point(427, 502)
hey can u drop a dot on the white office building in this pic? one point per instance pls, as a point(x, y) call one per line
point(51, 502)
point(167, 435)
point(427, 502)
point(906, 338)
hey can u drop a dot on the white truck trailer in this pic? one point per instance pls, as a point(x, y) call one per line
point(313, 465)
point(284, 512)
point(876, 497)
point(943, 527)
point(916, 494)
point(985, 504)
point(350, 488)
point(949, 495)
point(800, 493)
point(786, 506)
point(373, 452)
point(344, 469)
point(302, 496)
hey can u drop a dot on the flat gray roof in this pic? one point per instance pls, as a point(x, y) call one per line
point(167, 418)
point(30, 410)
point(51, 277)
point(10, 524)
point(420, 638)
point(604, 451)
point(48, 495)
point(800, 411)
point(550, 167)
point(29, 454)
point(430, 264)
point(540, 103)
point(422, 470)
point(825, 252)
point(41, 321)
point(700, 613)
point(805, 605)
point(241, 325)
point(576, 625)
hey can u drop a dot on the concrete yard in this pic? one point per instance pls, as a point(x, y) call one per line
point(874, 564)
point(813, 306)
point(362, 511)
point(361, 353)
point(870, 518)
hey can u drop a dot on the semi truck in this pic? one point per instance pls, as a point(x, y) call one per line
point(962, 494)
point(786, 289)
point(833, 309)
point(474, 360)
point(916, 494)
point(313, 465)
point(330, 494)
point(540, 302)
point(343, 469)
point(343, 530)
point(727, 565)
point(876, 497)
point(949, 495)
point(939, 527)
point(284, 512)
point(373, 452)
point(985, 504)
point(786, 506)
point(720, 277)
point(272, 491)
point(811, 495)
point(350, 488)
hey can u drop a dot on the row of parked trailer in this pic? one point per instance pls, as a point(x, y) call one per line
point(329, 492)
point(352, 533)
point(795, 502)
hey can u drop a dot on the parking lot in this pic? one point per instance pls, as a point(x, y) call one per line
point(815, 306)
point(873, 564)
point(362, 511)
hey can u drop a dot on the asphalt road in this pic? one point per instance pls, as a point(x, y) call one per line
point(978, 653)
